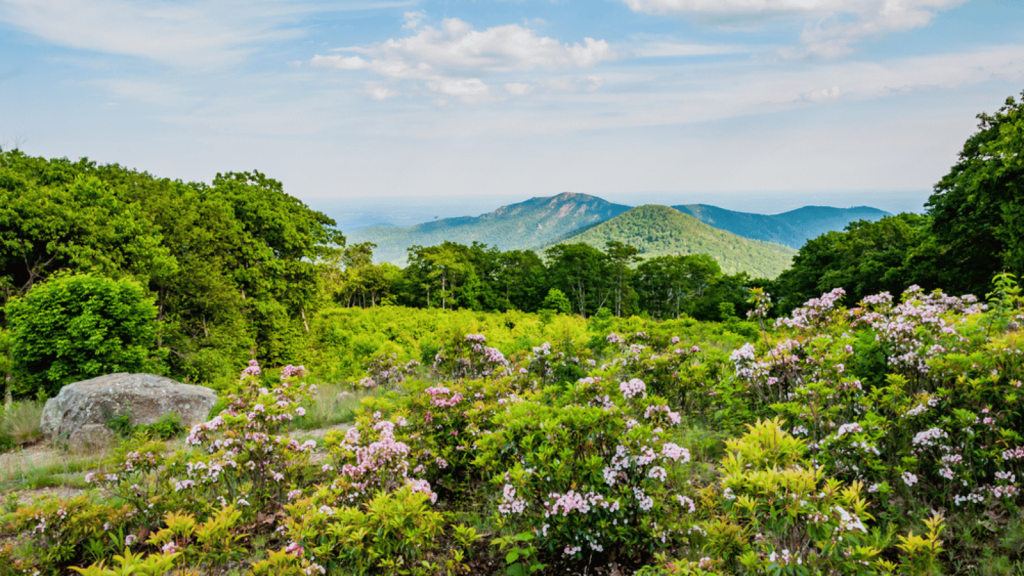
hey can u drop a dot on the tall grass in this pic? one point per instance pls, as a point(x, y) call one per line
point(331, 404)
point(20, 422)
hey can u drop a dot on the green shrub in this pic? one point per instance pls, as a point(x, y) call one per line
point(166, 427)
point(77, 327)
point(21, 421)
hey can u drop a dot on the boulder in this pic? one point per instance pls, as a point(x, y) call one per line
point(78, 408)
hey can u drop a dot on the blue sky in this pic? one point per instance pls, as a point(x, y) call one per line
point(743, 103)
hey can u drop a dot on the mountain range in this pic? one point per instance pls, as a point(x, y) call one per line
point(663, 230)
point(767, 240)
point(525, 225)
point(793, 228)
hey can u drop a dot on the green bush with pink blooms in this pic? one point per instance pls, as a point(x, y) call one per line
point(883, 437)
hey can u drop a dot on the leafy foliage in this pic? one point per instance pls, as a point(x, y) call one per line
point(77, 327)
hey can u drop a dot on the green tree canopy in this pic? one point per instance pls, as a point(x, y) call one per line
point(978, 207)
point(76, 327)
point(866, 258)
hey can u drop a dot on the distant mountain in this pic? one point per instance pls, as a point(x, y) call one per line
point(791, 228)
point(525, 225)
point(660, 230)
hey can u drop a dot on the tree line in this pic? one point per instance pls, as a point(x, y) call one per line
point(973, 229)
point(570, 278)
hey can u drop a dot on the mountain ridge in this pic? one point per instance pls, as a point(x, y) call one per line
point(663, 230)
point(522, 225)
point(792, 228)
point(545, 220)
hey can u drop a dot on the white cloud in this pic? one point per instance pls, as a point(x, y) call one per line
point(576, 83)
point(188, 34)
point(833, 25)
point(380, 93)
point(413, 19)
point(192, 34)
point(518, 88)
point(822, 95)
point(461, 87)
point(453, 58)
point(710, 91)
point(456, 46)
point(338, 62)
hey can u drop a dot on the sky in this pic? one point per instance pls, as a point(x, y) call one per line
point(461, 106)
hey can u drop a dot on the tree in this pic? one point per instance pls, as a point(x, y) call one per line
point(580, 271)
point(522, 280)
point(557, 300)
point(54, 216)
point(76, 327)
point(620, 257)
point(354, 280)
point(669, 285)
point(866, 258)
point(978, 207)
point(234, 266)
point(441, 275)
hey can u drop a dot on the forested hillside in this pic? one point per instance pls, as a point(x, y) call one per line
point(518, 226)
point(791, 228)
point(661, 230)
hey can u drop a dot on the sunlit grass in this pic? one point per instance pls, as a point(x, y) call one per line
point(21, 421)
point(29, 470)
point(331, 404)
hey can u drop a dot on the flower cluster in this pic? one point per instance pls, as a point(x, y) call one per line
point(633, 388)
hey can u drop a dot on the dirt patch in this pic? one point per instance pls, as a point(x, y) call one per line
point(26, 497)
point(29, 457)
point(318, 433)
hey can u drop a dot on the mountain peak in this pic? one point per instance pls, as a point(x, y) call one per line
point(662, 230)
point(523, 225)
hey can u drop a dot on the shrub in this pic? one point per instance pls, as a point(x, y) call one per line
point(468, 358)
point(77, 327)
point(557, 300)
point(783, 515)
point(392, 533)
point(585, 476)
point(21, 421)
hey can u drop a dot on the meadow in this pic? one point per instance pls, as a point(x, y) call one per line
point(879, 437)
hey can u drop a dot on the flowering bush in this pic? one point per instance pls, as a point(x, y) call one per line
point(854, 425)
point(393, 532)
point(387, 372)
point(61, 530)
point(781, 514)
point(469, 357)
point(588, 476)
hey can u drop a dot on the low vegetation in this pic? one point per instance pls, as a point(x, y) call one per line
point(882, 438)
point(585, 414)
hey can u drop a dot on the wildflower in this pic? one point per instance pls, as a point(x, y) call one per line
point(633, 388)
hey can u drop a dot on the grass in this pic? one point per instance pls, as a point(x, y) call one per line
point(21, 422)
point(331, 404)
point(31, 470)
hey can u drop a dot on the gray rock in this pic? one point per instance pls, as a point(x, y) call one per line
point(91, 437)
point(143, 397)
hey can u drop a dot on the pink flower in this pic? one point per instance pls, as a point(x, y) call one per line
point(633, 387)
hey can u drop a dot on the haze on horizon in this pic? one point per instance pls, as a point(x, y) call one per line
point(489, 102)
